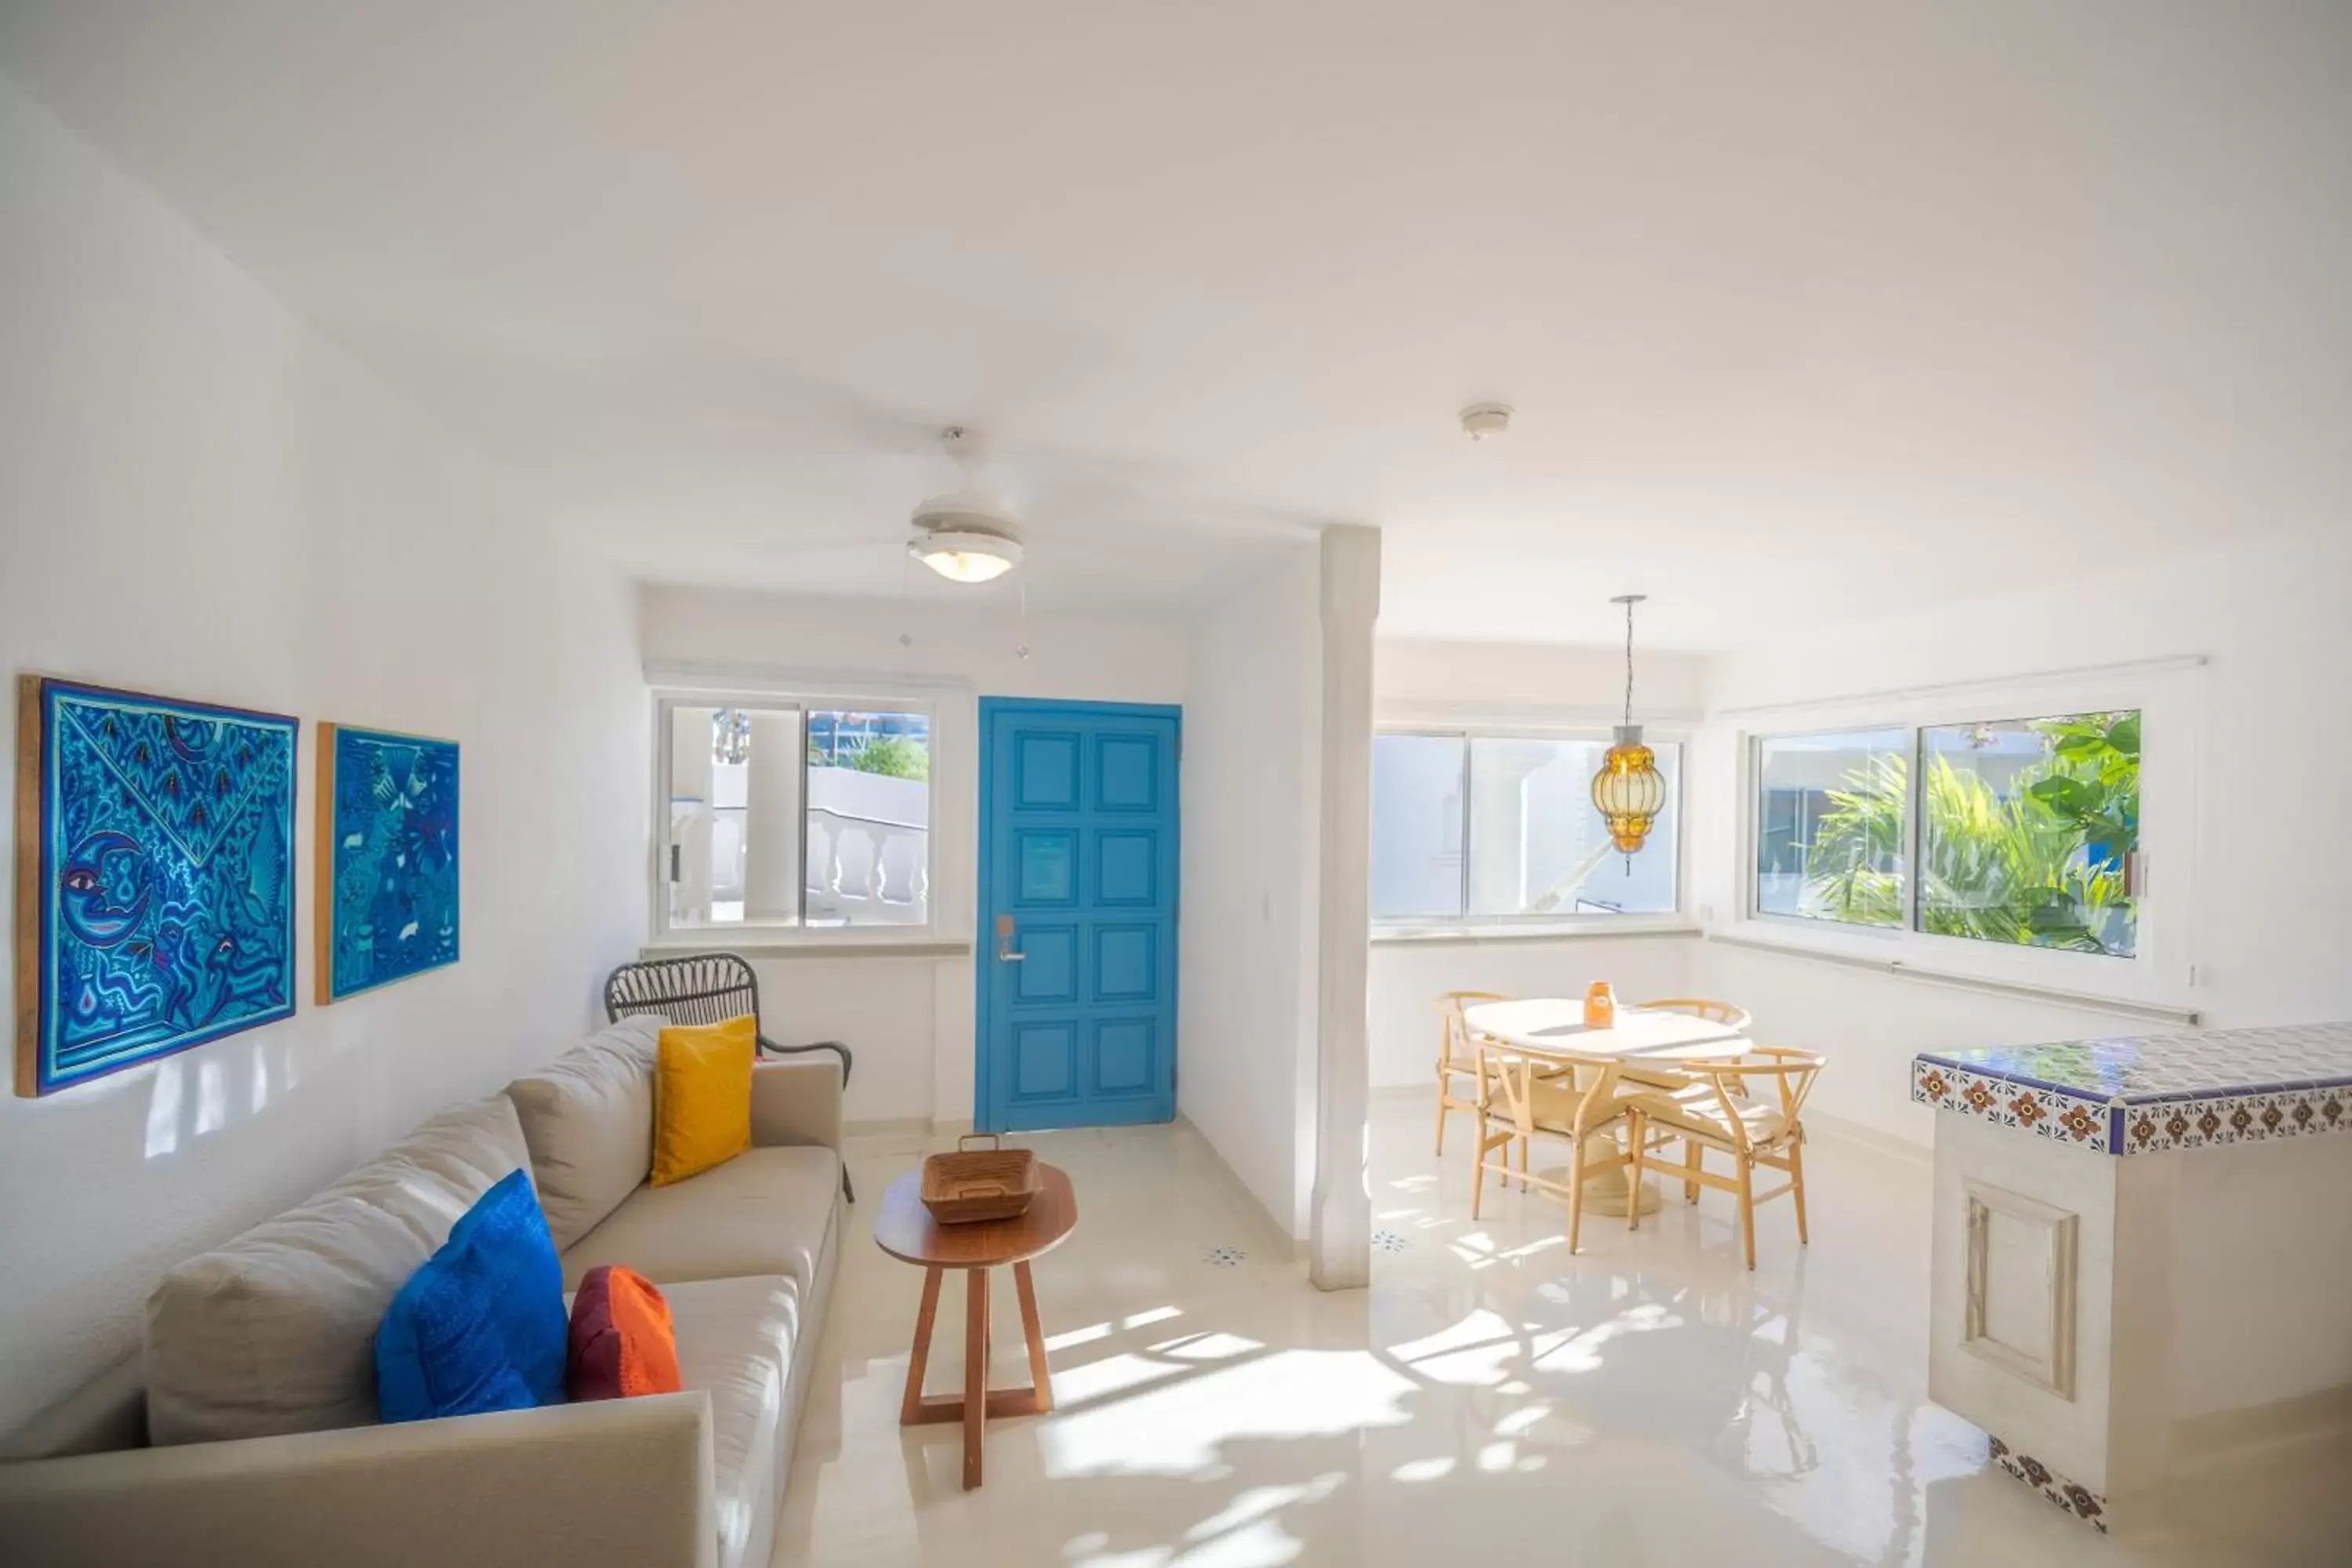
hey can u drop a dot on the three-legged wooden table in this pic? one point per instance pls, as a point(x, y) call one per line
point(904, 1228)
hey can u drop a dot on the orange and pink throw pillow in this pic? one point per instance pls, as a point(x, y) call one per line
point(621, 1341)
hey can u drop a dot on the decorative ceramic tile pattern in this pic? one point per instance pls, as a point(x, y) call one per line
point(2080, 1501)
point(2194, 1124)
point(2071, 1118)
point(2156, 1093)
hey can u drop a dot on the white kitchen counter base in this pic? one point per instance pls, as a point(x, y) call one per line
point(2142, 1260)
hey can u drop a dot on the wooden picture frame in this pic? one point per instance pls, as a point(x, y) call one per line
point(386, 859)
point(154, 861)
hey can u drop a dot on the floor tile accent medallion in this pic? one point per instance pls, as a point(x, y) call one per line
point(1225, 1257)
point(2154, 1094)
point(2079, 1501)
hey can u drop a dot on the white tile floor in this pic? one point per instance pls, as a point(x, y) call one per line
point(1490, 1398)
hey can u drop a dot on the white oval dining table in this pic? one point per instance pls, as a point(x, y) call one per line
point(1554, 1027)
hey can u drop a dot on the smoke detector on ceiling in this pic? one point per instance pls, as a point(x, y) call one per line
point(967, 535)
point(1485, 421)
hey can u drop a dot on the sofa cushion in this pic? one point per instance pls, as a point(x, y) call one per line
point(735, 1340)
point(764, 1212)
point(588, 1117)
point(274, 1332)
point(702, 1097)
point(623, 1343)
point(481, 1326)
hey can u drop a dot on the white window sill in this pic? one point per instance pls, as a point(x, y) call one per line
point(784, 942)
point(1468, 935)
point(1820, 952)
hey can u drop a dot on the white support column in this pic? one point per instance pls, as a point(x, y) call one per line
point(690, 781)
point(1341, 1230)
point(771, 830)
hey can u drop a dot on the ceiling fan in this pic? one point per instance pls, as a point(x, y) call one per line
point(1115, 516)
point(966, 535)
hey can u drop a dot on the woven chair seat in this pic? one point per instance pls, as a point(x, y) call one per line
point(1697, 1110)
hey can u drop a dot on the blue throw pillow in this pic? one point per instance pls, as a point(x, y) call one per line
point(481, 1326)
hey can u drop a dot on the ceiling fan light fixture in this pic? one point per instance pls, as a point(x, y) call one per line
point(967, 535)
point(964, 551)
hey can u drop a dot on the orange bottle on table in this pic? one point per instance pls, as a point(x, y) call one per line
point(1599, 1006)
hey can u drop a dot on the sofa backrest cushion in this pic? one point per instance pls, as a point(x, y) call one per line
point(274, 1333)
point(588, 1118)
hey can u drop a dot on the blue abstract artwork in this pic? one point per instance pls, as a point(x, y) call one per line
point(387, 858)
point(155, 878)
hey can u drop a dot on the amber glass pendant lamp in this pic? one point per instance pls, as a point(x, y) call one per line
point(1629, 791)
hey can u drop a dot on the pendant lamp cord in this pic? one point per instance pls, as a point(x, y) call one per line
point(1629, 721)
point(1629, 661)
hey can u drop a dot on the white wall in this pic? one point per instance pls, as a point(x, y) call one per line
point(1246, 1005)
point(909, 1018)
point(1499, 681)
point(200, 497)
point(1422, 682)
point(1408, 975)
point(2274, 924)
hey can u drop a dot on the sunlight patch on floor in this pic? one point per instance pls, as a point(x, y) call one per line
point(1184, 1427)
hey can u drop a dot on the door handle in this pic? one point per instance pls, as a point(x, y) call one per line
point(1004, 954)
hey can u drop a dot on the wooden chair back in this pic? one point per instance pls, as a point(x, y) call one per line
point(1454, 1049)
point(1713, 1011)
point(1508, 1080)
point(1792, 1071)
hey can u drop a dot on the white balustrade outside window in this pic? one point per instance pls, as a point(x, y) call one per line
point(782, 814)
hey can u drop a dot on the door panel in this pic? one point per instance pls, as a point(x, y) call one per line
point(1079, 853)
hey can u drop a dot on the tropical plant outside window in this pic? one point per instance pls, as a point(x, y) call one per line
point(1502, 827)
point(2029, 830)
point(1833, 841)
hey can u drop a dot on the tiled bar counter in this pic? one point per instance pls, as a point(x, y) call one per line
point(2142, 1276)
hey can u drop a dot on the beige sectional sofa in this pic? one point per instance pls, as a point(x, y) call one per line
point(246, 1434)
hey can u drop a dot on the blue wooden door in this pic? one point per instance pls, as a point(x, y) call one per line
point(1076, 952)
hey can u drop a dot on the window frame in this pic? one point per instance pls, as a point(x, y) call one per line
point(2160, 970)
point(803, 699)
point(1405, 928)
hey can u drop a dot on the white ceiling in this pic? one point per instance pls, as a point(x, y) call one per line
point(1808, 308)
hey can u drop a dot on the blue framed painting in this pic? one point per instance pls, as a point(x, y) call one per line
point(387, 858)
point(154, 878)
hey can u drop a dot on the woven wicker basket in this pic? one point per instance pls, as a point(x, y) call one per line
point(976, 1185)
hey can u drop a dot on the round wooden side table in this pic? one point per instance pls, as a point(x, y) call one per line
point(904, 1228)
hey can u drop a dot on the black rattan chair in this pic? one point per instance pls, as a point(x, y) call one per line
point(706, 988)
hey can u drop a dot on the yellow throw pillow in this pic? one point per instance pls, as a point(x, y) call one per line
point(702, 1098)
